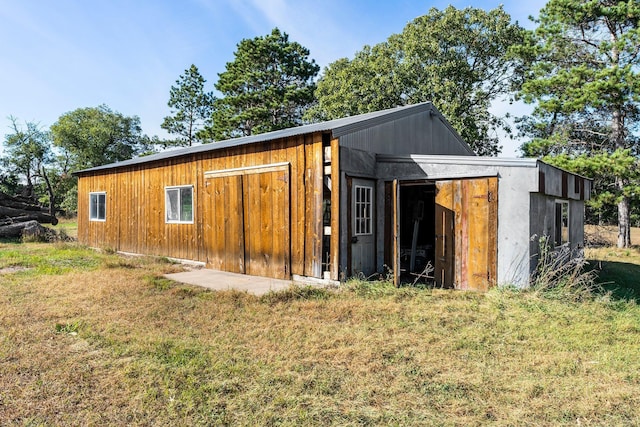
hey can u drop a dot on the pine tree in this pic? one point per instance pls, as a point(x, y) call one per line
point(268, 86)
point(190, 108)
point(585, 83)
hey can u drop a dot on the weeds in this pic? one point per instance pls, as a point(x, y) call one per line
point(159, 282)
point(369, 289)
point(294, 293)
point(70, 328)
point(563, 274)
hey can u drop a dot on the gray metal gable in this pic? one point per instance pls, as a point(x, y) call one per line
point(423, 132)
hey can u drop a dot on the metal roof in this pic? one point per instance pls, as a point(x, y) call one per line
point(337, 127)
point(524, 162)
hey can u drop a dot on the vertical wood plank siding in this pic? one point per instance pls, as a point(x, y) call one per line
point(466, 233)
point(135, 203)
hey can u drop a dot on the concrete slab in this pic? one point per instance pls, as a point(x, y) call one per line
point(222, 281)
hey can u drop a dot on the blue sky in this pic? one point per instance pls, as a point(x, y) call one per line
point(66, 54)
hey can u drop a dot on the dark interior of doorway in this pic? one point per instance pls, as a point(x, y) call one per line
point(417, 232)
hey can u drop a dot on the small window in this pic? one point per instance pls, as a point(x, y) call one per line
point(562, 222)
point(97, 206)
point(179, 204)
point(363, 208)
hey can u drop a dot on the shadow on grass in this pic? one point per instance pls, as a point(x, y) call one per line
point(620, 278)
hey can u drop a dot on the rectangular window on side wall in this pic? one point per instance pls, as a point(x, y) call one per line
point(562, 222)
point(179, 204)
point(363, 209)
point(98, 206)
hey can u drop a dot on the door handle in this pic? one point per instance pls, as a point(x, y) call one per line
point(354, 239)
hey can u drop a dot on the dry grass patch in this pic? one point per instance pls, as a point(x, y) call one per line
point(607, 235)
point(113, 344)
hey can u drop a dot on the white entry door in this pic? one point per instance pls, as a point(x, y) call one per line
point(363, 227)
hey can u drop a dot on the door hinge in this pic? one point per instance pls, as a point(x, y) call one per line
point(489, 196)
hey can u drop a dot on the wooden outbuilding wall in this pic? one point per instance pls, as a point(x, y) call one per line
point(265, 220)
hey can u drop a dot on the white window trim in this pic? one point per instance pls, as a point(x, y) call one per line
point(355, 214)
point(178, 187)
point(104, 193)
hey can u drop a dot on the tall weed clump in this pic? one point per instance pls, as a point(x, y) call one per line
point(562, 273)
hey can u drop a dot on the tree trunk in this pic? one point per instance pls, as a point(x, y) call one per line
point(52, 199)
point(17, 229)
point(14, 209)
point(619, 143)
point(39, 216)
point(624, 220)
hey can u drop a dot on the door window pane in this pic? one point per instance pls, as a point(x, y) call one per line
point(363, 209)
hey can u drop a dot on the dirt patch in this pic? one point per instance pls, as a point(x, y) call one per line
point(12, 269)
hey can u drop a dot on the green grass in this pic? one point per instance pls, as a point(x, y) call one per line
point(618, 271)
point(114, 343)
point(67, 226)
point(46, 259)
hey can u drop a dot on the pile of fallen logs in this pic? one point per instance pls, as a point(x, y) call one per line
point(20, 215)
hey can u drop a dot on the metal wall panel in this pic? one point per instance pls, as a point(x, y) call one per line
point(420, 133)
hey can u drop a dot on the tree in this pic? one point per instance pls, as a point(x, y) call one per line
point(88, 137)
point(28, 153)
point(268, 86)
point(96, 136)
point(585, 82)
point(9, 183)
point(458, 59)
point(190, 107)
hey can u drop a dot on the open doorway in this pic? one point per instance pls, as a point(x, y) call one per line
point(443, 232)
point(417, 232)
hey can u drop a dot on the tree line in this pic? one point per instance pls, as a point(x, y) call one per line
point(579, 69)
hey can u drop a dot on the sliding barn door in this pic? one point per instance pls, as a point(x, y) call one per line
point(224, 226)
point(247, 226)
point(266, 224)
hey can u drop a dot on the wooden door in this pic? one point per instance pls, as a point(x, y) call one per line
point(362, 227)
point(479, 228)
point(266, 224)
point(224, 228)
point(466, 233)
point(445, 231)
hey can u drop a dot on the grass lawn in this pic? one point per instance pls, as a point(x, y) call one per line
point(92, 338)
point(68, 226)
point(619, 269)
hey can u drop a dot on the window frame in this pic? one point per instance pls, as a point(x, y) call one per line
point(97, 217)
point(562, 212)
point(178, 188)
point(363, 223)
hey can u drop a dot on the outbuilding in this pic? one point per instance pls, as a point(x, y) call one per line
point(392, 191)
